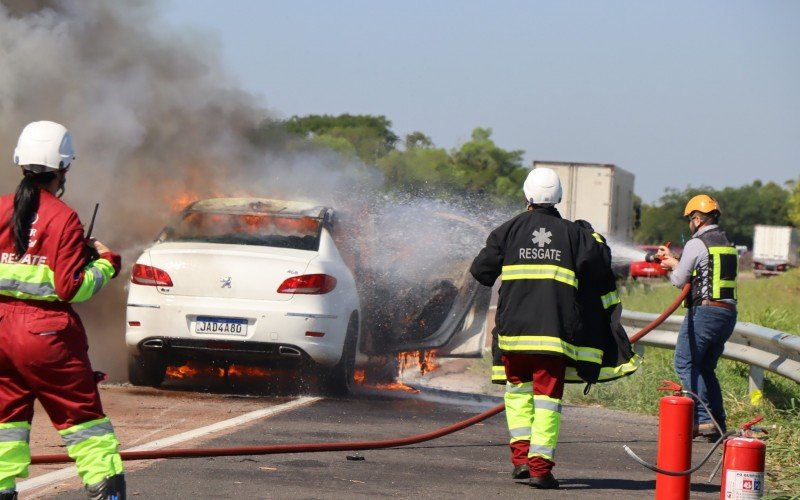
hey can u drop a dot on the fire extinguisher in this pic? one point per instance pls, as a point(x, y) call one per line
point(743, 464)
point(674, 443)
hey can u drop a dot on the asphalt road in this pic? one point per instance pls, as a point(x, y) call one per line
point(472, 463)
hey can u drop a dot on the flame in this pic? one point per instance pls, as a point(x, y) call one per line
point(179, 202)
point(181, 372)
point(394, 386)
point(195, 185)
point(425, 360)
point(253, 371)
point(192, 369)
point(360, 379)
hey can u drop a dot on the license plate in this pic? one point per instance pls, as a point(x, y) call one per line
point(221, 326)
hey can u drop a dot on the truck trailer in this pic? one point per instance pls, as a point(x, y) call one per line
point(599, 193)
point(774, 249)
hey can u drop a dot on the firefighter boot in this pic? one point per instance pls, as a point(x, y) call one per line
point(521, 472)
point(110, 488)
point(546, 482)
point(8, 495)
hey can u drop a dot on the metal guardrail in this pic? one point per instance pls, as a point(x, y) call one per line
point(761, 348)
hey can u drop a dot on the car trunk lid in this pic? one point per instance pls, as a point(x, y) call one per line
point(227, 271)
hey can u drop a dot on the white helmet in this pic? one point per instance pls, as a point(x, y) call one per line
point(542, 187)
point(44, 146)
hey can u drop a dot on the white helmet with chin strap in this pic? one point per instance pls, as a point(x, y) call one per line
point(44, 147)
point(542, 187)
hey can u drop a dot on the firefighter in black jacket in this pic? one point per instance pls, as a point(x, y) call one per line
point(541, 259)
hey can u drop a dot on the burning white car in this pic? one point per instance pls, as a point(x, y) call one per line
point(244, 280)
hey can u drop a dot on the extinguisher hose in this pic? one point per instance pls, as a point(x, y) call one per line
point(681, 472)
point(322, 447)
point(722, 438)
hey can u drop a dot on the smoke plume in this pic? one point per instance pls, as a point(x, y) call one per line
point(156, 123)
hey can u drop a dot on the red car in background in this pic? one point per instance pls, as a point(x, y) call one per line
point(644, 269)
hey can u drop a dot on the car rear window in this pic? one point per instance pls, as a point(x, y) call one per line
point(300, 233)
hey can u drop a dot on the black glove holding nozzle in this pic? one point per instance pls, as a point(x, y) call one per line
point(652, 256)
point(655, 256)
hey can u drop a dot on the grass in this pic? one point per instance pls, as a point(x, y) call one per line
point(773, 303)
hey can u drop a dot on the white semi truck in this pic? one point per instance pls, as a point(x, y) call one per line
point(774, 249)
point(599, 193)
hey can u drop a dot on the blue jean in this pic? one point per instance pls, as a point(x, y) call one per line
point(701, 340)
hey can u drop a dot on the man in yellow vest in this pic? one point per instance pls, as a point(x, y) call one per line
point(710, 263)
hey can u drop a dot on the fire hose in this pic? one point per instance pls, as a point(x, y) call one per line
point(340, 446)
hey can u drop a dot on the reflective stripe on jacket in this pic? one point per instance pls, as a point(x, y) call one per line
point(55, 267)
point(601, 309)
point(542, 261)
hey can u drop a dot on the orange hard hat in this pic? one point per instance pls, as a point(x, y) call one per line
point(701, 203)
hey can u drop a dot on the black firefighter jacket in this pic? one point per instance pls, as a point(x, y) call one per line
point(553, 274)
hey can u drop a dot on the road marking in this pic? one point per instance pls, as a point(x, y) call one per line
point(69, 472)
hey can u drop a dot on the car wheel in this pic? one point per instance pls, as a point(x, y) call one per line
point(146, 370)
point(339, 380)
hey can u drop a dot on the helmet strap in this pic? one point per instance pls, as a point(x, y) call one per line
point(62, 179)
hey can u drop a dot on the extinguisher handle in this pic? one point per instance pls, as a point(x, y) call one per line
point(750, 424)
point(669, 385)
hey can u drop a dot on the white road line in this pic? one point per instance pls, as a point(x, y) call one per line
point(68, 472)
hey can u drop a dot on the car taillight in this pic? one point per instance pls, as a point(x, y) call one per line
point(759, 266)
point(312, 284)
point(781, 267)
point(150, 276)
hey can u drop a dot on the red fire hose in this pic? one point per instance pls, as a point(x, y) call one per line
point(341, 446)
point(664, 315)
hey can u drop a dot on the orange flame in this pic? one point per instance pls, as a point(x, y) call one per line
point(394, 386)
point(179, 202)
point(182, 372)
point(360, 378)
point(191, 369)
point(425, 360)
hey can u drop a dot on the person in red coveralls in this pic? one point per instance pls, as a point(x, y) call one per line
point(46, 264)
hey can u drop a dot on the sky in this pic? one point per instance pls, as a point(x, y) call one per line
point(680, 93)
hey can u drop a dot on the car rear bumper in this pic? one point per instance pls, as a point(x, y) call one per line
point(221, 351)
point(274, 331)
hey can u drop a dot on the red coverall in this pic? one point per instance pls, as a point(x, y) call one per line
point(43, 344)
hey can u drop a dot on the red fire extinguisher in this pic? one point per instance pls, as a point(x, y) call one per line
point(743, 465)
point(676, 414)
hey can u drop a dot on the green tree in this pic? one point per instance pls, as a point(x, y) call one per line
point(486, 169)
point(371, 136)
point(746, 206)
point(741, 207)
point(663, 221)
point(418, 140)
point(794, 203)
point(420, 171)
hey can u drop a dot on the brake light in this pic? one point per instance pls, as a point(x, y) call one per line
point(781, 267)
point(150, 276)
point(311, 284)
point(759, 265)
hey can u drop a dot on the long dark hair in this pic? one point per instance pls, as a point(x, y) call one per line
point(26, 203)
